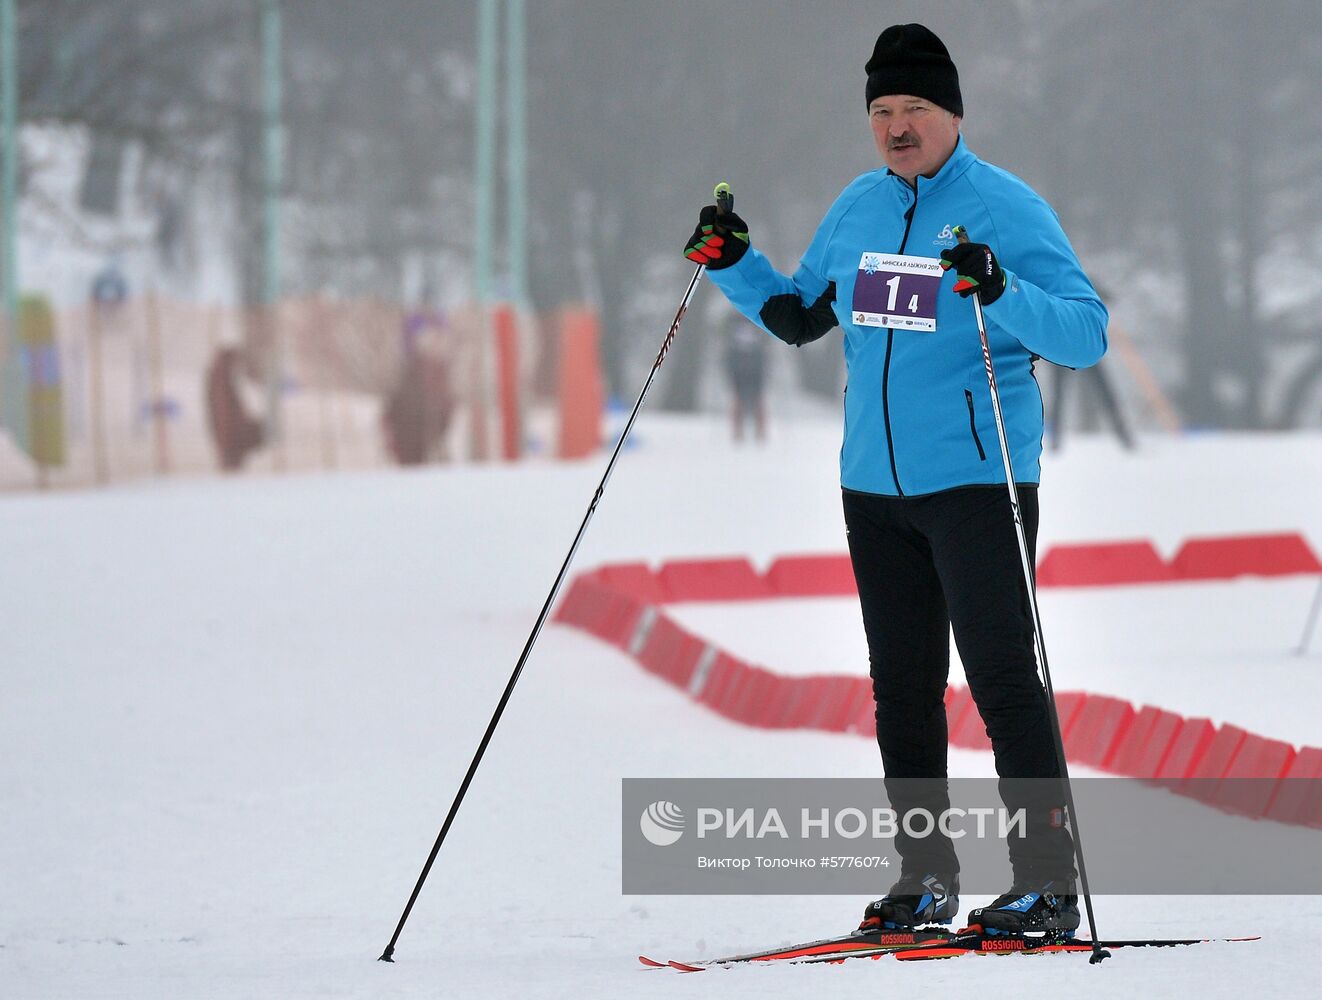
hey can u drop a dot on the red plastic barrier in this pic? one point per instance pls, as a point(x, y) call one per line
point(670, 652)
point(1186, 751)
point(750, 701)
point(865, 722)
point(636, 579)
point(1102, 563)
point(1216, 761)
point(838, 704)
point(1263, 760)
point(712, 580)
point(576, 607)
point(959, 701)
point(862, 710)
point(812, 576)
point(1257, 555)
point(597, 609)
point(1068, 706)
point(1141, 750)
point(966, 728)
point(1099, 726)
point(1298, 797)
point(724, 673)
point(624, 622)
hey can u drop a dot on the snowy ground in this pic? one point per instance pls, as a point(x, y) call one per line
point(234, 714)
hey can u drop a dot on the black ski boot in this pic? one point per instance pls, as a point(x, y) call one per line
point(914, 900)
point(1050, 907)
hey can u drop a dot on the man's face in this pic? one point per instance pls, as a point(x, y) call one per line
point(915, 137)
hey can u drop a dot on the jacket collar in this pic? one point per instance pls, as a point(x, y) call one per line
point(960, 160)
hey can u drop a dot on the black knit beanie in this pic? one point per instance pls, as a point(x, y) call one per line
point(910, 59)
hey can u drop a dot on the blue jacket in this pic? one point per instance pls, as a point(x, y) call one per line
point(918, 414)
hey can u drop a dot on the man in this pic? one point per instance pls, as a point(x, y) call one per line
point(927, 513)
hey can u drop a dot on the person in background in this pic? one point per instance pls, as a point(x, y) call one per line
point(746, 369)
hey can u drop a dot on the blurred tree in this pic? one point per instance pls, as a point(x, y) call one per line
point(1192, 156)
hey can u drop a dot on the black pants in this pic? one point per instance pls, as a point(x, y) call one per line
point(923, 565)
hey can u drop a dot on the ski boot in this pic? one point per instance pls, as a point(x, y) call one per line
point(1051, 908)
point(914, 900)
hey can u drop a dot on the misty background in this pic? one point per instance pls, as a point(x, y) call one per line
point(1180, 143)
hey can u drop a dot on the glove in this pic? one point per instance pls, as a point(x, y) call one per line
point(978, 271)
point(718, 240)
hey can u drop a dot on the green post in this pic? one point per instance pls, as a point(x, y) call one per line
point(273, 182)
point(485, 149)
point(12, 405)
point(9, 155)
point(517, 165)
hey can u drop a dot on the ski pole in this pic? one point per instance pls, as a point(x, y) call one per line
point(1306, 639)
point(1098, 954)
point(724, 204)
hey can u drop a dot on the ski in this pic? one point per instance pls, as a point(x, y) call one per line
point(925, 944)
point(869, 941)
point(973, 941)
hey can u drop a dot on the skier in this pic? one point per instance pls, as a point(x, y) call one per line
point(746, 369)
point(926, 507)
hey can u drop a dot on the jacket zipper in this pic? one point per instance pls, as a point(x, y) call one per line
point(973, 426)
point(890, 342)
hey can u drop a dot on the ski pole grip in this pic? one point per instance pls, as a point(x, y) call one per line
point(724, 199)
point(961, 234)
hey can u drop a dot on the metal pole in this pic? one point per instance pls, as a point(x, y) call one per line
point(516, 124)
point(1309, 625)
point(273, 183)
point(388, 954)
point(1098, 954)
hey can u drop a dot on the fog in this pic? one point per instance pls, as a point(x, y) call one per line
point(1180, 143)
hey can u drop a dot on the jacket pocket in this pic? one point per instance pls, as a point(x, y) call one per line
point(973, 426)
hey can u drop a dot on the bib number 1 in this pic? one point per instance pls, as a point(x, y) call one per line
point(898, 292)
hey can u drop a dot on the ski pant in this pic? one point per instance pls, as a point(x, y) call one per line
point(925, 565)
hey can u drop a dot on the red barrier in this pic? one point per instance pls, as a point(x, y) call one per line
point(623, 623)
point(1141, 751)
point(1189, 755)
point(812, 576)
point(1215, 762)
point(1102, 564)
point(967, 730)
point(1186, 750)
point(865, 722)
point(1068, 706)
point(582, 394)
point(862, 710)
point(750, 700)
point(712, 580)
point(1098, 728)
point(1256, 555)
point(577, 602)
point(670, 652)
point(833, 715)
point(1262, 760)
point(636, 579)
point(1298, 796)
point(724, 673)
point(959, 702)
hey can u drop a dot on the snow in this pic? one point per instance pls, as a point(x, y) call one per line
point(235, 713)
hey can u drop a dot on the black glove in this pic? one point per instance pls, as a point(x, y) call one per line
point(978, 271)
point(718, 241)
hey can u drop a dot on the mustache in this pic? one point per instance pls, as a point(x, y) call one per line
point(908, 139)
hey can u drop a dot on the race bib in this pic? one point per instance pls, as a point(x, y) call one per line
point(899, 292)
